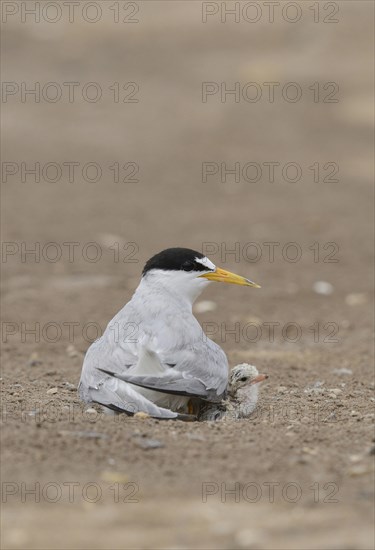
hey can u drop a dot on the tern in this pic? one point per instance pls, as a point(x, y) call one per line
point(242, 396)
point(153, 356)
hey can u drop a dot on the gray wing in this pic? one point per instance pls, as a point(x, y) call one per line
point(168, 358)
point(170, 382)
point(129, 401)
point(197, 371)
point(203, 369)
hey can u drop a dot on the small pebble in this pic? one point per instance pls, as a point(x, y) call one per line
point(355, 458)
point(359, 470)
point(71, 351)
point(343, 371)
point(322, 287)
point(315, 387)
point(109, 239)
point(114, 477)
point(83, 434)
point(356, 299)
point(317, 384)
point(249, 539)
point(141, 415)
point(52, 391)
point(309, 451)
point(146, 444)
point(34, 360)
point(196, 437)
point(302, 460)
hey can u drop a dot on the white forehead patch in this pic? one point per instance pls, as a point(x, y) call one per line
point(206, 263)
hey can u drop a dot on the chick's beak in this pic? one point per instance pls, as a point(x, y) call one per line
point(223, 276)
point(259, 378)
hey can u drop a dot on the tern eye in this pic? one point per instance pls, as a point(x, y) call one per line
point(243, 379)
point(188, 265)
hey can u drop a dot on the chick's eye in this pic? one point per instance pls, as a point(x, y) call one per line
point(243, 379)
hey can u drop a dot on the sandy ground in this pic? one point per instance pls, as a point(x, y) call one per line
point(299, 473)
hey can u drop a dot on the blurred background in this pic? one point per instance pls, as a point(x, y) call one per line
point(133, 141)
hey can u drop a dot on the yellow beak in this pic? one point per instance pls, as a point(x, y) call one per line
point(223, 276)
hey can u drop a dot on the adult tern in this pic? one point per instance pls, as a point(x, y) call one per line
point(153, 356)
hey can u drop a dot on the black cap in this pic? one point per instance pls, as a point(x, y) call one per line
point(176, 259)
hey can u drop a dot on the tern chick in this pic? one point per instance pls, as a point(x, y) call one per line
point(242, 395)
